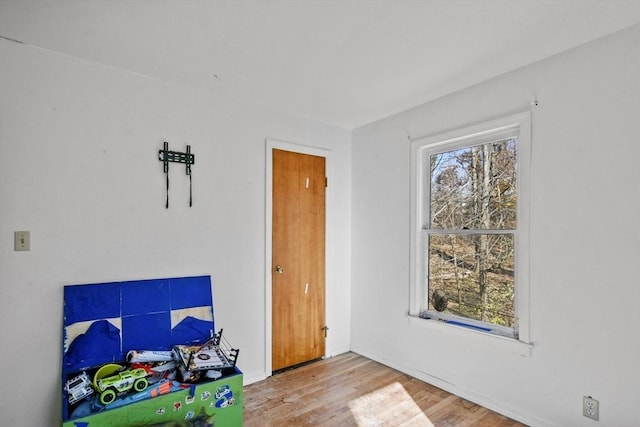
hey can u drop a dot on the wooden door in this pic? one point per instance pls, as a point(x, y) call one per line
point(298, 263)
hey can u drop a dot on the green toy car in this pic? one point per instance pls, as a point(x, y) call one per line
point(120, 383)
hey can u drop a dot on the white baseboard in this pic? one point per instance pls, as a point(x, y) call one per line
point(337, 350)
point(254, 377)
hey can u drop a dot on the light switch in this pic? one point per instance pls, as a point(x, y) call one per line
point(22, 240)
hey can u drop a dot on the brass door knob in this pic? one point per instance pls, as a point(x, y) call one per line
point(279, 269)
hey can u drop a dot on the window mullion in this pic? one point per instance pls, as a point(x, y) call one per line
point(468, 232)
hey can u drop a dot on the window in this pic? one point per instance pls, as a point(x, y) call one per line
point(470, 227)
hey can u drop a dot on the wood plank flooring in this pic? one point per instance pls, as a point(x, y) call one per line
point(351, 390)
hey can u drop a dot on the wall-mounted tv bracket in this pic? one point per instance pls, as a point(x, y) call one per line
point(166, 156)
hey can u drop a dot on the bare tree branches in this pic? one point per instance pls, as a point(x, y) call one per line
point(474, 188)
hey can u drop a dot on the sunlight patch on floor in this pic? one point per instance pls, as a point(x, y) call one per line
point(382, 405)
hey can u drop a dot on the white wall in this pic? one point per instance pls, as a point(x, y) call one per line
point(585, 242)
point(79, 168)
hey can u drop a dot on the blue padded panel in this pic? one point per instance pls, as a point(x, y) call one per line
point(145, 296)
point(146, 332)
point(192, 331)
point(143, 307)
point(83, 351)
point(187, 292)
point(91, 302)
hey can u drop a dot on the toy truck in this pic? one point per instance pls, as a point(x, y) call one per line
point(78, 388)
point(122, 382)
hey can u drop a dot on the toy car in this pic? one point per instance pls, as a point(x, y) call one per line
point(78, 388)
point(120, 383)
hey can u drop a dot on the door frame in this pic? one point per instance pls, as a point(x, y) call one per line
point(272, 144)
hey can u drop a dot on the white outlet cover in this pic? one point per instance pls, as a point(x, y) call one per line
point(590, 408)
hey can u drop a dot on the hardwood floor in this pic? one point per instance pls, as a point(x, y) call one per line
point(351, 390)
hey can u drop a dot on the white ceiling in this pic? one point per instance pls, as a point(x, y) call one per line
point(345, 63)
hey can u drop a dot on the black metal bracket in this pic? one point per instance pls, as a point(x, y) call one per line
point(167, 156)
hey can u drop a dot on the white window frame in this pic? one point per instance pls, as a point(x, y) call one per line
point(469, 136)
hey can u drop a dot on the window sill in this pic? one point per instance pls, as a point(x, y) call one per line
point(510, 345)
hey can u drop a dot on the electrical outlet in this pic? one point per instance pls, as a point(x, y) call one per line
point(590, 407)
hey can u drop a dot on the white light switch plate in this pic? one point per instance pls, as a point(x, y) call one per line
point(22, 241)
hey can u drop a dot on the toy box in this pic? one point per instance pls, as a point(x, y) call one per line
point(146, 353)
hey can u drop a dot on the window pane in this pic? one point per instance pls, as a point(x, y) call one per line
point(472, 276)
point(474, 187)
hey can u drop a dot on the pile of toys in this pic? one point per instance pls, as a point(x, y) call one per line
point(149, 373)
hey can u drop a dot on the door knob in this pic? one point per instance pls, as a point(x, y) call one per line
point(279, 269)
